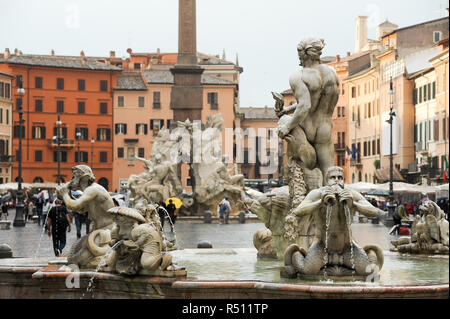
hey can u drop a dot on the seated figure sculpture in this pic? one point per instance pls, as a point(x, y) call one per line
point(142, 244)
point(333, 251)
point(429, 232)
point(95, 200)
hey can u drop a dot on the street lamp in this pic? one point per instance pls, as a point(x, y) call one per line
point(92, 153)
point(78, 136)
point(391, 206)
point(58, 141)
point(18, 218)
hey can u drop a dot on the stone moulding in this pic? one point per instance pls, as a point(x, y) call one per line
point(39, 282)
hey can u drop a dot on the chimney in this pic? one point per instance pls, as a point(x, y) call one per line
point(7, 54)
point(112, 54)
point(129, 51)
point(237, 60)
point(348, 53)
point(19, 53)
point(52, 52)
point(158, 51)
point(82, 53)
point(16, 51)
point(338, 58)
point(361, 33)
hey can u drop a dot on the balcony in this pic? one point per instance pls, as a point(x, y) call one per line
point(6, 158)
point(356, 162)
point(65, 143)
point(421, 147)
point(413, 168)
point(339, 147)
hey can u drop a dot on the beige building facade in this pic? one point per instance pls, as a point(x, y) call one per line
point(6, 160)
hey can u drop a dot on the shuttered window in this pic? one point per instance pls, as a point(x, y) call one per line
point(103, 134)
point(81, 107)
point(38, 156)
point(103, 157)
point(38, 82)
point(59, 106)
point(103, 108)
point(81, 85)
point(38, 105)
point(63, 156)
point(103, 85)
point(60, 83)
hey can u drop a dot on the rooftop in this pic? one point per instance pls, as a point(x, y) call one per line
point(130, 82)
point(258, 113)
point(166, 77)
point(414, 25)
point(71, 62)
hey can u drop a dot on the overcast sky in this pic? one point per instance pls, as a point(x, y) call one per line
point(264, 33)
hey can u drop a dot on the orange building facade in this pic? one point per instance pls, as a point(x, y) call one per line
point(80, 90)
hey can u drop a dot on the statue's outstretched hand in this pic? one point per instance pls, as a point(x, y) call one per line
point(345, 195)
point(283, 131)
point(61, 190)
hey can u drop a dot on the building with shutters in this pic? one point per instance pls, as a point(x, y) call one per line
point(80, 90)
point(6, 159)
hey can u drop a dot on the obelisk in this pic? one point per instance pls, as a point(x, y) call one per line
point(187, 92)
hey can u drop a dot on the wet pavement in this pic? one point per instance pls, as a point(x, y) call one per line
point(32, 241)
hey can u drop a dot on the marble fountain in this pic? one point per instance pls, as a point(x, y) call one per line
point(306, 249)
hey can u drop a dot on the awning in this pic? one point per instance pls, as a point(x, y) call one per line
point(382, 174)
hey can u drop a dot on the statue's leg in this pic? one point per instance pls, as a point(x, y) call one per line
point(325, 156)
point(300, 148)
point(356, 260)
point(315, 259)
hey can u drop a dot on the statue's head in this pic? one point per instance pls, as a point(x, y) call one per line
point(158, 158)
point(310, 49)
point(335, 176)
point(81, 173)
point(431, 208)
point(125, 218)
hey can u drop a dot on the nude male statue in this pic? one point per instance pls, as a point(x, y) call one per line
point(333, 244)
point(316, 89)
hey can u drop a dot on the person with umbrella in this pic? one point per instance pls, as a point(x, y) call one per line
point(171, 209)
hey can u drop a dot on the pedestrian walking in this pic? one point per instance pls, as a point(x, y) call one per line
point(162, 213)
point(172, 210)
point(30, 207)
point(39, 209)
point(4, 212)
point(58, 223)
point(224, 210)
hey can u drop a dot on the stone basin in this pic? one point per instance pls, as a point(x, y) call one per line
point(225, 273)
point(242, 264)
